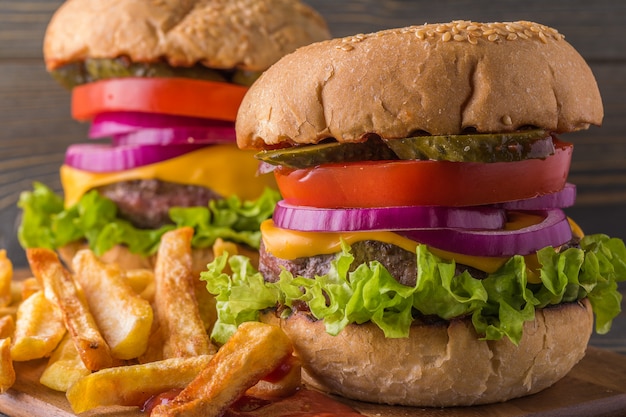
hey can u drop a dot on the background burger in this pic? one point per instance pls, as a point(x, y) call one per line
point(163, 81)
point(421, 255)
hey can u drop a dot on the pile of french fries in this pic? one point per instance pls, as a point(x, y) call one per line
point(118, 337)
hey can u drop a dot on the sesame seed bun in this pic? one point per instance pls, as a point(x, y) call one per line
point(439, 79)
point(223, 34)
point(443, 364)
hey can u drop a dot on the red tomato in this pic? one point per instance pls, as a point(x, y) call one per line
point(175, 96)
point(424, 183)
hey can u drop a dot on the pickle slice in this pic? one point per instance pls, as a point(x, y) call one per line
point(491, 147)
point(374, 149)
point(76, 73)
point(501, 147)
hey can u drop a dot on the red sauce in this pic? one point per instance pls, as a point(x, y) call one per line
point(162, 398)
point(282, 370)
point(304, 403)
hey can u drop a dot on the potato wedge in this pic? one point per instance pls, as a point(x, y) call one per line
point(64, 368)
point(60, 288)
point(6, 276)
point(133, 385)
point(122, 316)
point(254, 351)
point(39, 328)
point(175, 301)
point(7, 372)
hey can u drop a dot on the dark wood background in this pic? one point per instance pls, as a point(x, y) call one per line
point(35, 125)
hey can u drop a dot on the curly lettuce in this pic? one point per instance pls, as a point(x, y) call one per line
point(46, 223)
point(498, 305)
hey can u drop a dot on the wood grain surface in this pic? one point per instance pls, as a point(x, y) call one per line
point(595, 387)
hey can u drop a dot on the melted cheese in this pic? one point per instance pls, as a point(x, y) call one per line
point(223, 168)
point(291, 244)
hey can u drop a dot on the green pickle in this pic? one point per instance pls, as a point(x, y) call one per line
point(77, 73)
point(310, 155)
point(491, 147)
point(483, 147)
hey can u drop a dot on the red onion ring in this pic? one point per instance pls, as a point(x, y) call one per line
point(560, 199)
point(113, 124)
point(554, 231)
point(107, 158)
point(177, 136)
point(313, 219)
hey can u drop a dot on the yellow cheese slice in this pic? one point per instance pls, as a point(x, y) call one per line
point(291, 244)
point(223, 168)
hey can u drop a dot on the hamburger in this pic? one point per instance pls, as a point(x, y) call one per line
point(160, 84)
point(421, 255)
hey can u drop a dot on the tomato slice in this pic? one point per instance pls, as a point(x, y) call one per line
point(174, 96)
point(424, 183)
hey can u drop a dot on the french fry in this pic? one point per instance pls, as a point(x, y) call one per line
point(38, 328)
point(64, 367)
point(174, 300)
point(7, 326)
point(281, 383)
point(60, 288)
point(254, 351)
point(133, 385)
point(141, 281)
point(6, 276)
point(29, 287)
point(7, 372)
point(122, 316)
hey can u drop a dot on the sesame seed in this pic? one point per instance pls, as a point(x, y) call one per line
point(506, 119)
point(474, 32)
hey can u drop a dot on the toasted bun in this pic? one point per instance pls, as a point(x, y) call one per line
point(443, 364)
point(439, 79)
point(245, 34)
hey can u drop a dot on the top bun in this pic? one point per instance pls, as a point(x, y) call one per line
point(223, 34)
point(438, 78)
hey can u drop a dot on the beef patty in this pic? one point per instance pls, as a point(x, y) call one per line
point(146, 203)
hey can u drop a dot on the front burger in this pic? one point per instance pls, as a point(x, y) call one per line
point(421, 255)
point(160, 84)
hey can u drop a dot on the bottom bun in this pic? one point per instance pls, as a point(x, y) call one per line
point(443, 364)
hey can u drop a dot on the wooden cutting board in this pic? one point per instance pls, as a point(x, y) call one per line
point(595, 387)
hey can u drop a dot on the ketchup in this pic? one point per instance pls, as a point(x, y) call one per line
point(304, 403)
point(162, 398)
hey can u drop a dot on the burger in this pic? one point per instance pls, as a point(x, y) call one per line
point(420, 255)
point(160, 84)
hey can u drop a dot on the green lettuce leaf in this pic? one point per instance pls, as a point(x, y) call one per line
point(46, 223)
point(240, 296)
point(498, 304)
